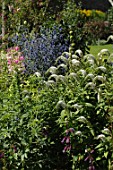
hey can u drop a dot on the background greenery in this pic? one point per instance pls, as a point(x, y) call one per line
point(56, 86)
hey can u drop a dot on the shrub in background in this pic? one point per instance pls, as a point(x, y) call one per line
point(41, 49)
point(110, 18)
point(97, 30)
point(97, 25)
point(94, 14)
point(73, 20)
point(16, 14)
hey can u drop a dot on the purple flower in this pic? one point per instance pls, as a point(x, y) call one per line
point(15, 149)
point(68, 139)
point(92, 151)
point(67, 148)
point(90, 158)
point(71, 130)
point(16, 61)
point(21, 58)
point(1, 155)
point(16, 48)
point(41, 49)
point(91, 167)
point(63, 140)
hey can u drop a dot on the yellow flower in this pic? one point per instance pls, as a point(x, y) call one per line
point(86, 12)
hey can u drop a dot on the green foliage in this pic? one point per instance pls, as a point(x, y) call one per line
point(66, 13)
point(86, 107)
point(70, 111)
point(110, 16)
point(16, 15)
point(73, 21)
point(97, 30)
point(29, 131)
point(93, 14)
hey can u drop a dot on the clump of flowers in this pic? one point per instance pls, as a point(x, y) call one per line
point(41, 50)
point(1, 154)
point(86, 12)
point(90, 158)
point(93, 14)
point(15, 59)
point(67, 140)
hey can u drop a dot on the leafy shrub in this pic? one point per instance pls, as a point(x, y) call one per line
point(16, 14)
point(73, 20)
point(28, 134)
point(110, 18)
point(97, 30)
point(110, 15)
point(85, 110)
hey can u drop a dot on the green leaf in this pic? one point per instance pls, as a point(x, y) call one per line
point(22, 157)
point(89, 105)
point(27, 150)
point(82, 119)
point(92, 132)
point(99, 146)
point(98, 158)
point(40, 165)
point(75, 158)
point(16, 156)
point(63, 113)
point(106, 154)
point(25, 155)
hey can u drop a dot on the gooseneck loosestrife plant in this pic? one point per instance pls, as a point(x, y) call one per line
point(85, 108)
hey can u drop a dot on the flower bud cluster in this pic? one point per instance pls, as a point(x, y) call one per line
point(67, 140)
point(15, 59)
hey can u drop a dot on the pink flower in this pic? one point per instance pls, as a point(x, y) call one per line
point(68, 140)
point(21, 58)
point(1, 155)
point(67, 148)
point(63, 140)
point(71, 130)
point(9, 61)
point(91, 167)
point(16, 61)
point(16, 48)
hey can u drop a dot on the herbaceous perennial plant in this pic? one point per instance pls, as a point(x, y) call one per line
point(85, 108)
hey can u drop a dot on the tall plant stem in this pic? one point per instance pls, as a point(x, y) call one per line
point(3, 21)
